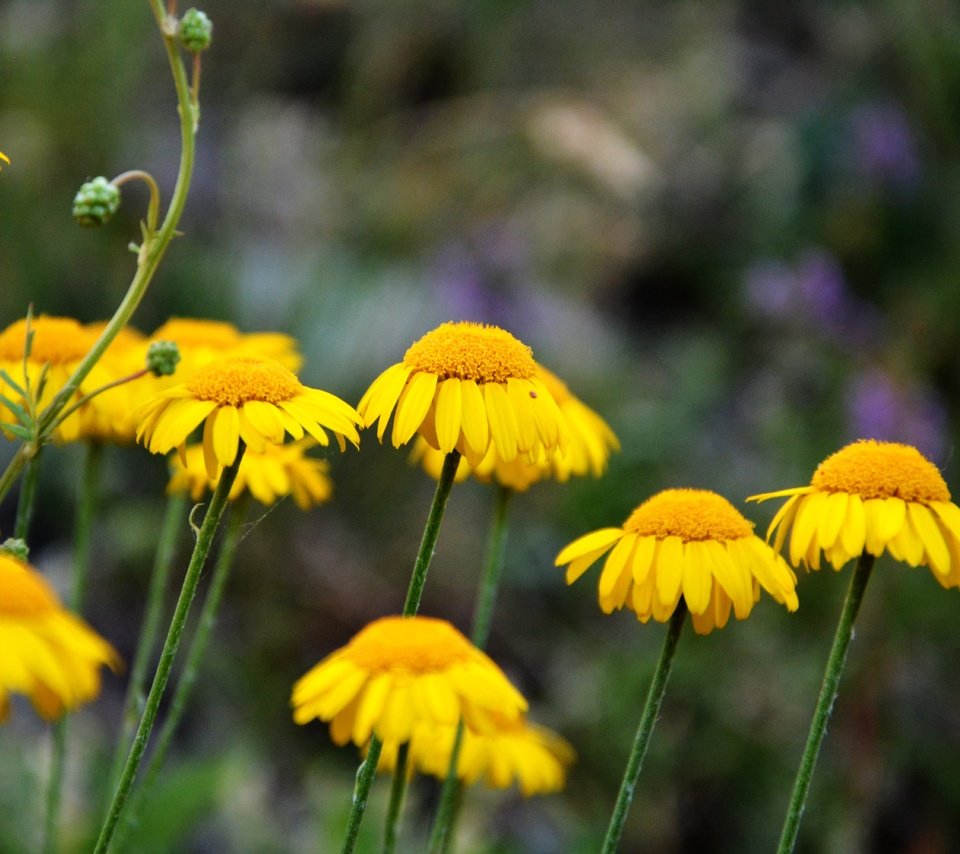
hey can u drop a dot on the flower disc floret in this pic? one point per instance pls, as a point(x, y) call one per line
point(682, 542)
point(465, 387)
point(245, 398)
point(49, 655)
point(872, 497)
point(399, 673)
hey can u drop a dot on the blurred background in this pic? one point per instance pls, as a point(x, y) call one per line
point(730, 227)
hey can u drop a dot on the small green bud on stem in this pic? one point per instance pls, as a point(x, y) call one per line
point(195, 31)
point(162, 358)
point(15, 548)
point(95, 202)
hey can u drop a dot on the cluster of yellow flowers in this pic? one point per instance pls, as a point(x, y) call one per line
point(477, 393)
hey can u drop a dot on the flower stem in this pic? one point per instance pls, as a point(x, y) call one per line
point(83, 527)
point(28, 496)
point(451, 795)
point(828, 695)
point(368, 768)
point(397, 792)
point(430, 533)
point(651, 709)
point(211, 522)
point(194, 654)
point(133, 702)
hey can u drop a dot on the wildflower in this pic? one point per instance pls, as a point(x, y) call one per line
point(399, 673)
point(242, 397)
point(274, 472)
point(58, 346)
point(463, 387)
point(687, 542)
point(48, 654)
point(871, 496)
point(532, 756)
point(590, 442)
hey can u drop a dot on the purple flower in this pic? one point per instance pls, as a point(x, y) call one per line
point(884, 147)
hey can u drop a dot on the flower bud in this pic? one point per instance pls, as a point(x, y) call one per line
point(162, 358)
point(95, 202)
point(15, 548)
point(195, 31)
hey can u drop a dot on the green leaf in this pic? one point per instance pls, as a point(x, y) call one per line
point(18, 430)
point(22, 416)
point(9, 381)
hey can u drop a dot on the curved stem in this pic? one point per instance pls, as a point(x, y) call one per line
point(153, 207)
point(211, 522)
point(194, 654)
point(83, 528)
point(451, 796)
point(828, 695)
point(173, 517)
point(651, 709)
point(397, 793)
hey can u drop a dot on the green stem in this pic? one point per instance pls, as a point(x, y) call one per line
point(430, 533)
point(397, 792)
point(28, 497)
point(83, 527)
point(451, 796)
point(211, 522)
point(651, 710)
point(828, 695)
point(194, 654)
point(163, 559)
point(368, 768)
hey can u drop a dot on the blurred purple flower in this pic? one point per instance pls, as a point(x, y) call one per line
point(884, 147)
point(881, 408)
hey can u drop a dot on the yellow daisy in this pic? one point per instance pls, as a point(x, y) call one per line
point(589, 446)
point(46, 652)
point(688, 542)
point(242, 397)
point(465, 386)
point(402, 672)
point(59, 345)
point(533, 757)
point(872, 496)
point(275, 472)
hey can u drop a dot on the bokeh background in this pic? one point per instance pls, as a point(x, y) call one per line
point(731, 227)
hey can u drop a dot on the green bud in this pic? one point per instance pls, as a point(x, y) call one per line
point(162, 358)
point(195, 31)
point(15, 548)
point(95, 202)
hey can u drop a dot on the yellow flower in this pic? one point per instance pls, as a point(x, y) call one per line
point(45, 651)
point(402, 672)
point(872, 496)
point(590, 442)
point(275, 472)
point(465, 386)
point(688, 542)
point(4, 158)
point(59, 345)
point(242, 397)
point(534, 757)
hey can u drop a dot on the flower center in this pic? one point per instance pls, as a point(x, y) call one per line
point(471, 351)
point(23, 594)
point(55, 340)
point(691, 514)
point(215, 334)
point(234, 381)
point(414, 644)
point(873, 469)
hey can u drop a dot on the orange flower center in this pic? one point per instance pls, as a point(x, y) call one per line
point(471, 351)
point(55, 340)
point(414, 644)
point(215, 334)
point(237, 380)
point(23, 593)
point(873, 469)
point(691, 514)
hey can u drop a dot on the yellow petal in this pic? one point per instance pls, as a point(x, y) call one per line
point(697, 578)
point(226, 434)
point(893, 512)
point(476, 430)
point(503, 420)
point(601, 539)
point(831, 519)
point(938, 555)
point(447, 419)
point(413, 406)
point(669, 569)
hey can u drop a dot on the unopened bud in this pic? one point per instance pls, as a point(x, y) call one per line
point(162, 358)
point(15, 548)
point(95, 202)
point(195, 31)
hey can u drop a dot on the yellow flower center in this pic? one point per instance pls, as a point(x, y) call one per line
point(22, 593)
point(691, 514)
point(873, 469)
point(471, 351)
point(216, 334)
point(414, 644)
point(234, 381)
point(55, 340)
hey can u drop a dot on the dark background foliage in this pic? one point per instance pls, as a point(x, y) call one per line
point(731, 227)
